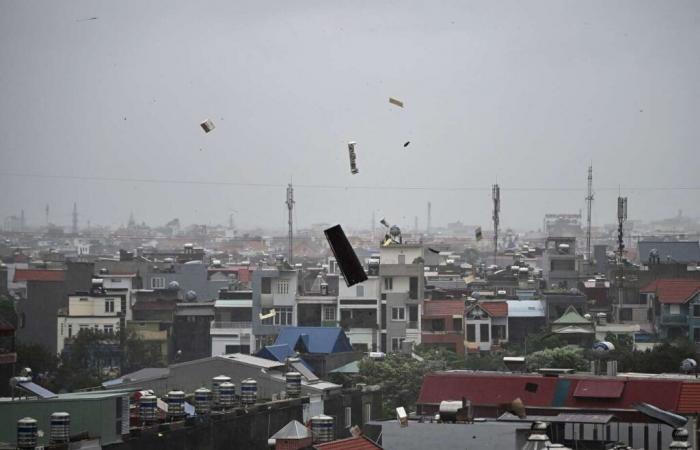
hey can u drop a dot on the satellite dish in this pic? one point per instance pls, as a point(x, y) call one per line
point(689, 365)
point(587, 316)
point(174, 285)
point(603, 347)
point(191, 296)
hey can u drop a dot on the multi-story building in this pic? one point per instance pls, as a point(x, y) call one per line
point(359, 311)
point(401, 290)
point(677, 307)
point(443, 324)
point(561, 265)
point(191, 330)
point(94, 310)
point(274, 299)
point(231, 330)
point(486, 325)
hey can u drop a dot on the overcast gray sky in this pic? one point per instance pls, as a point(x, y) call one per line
point(523, 93)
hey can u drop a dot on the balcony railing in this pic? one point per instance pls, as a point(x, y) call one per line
point(231, 325)
point(674, 319)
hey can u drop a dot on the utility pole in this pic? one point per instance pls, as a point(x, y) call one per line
point(496, 194)
point(22, 221)
point(427, 227)
point(75, 218)
point(290, 207)
point(46, 211)
point(621, 218)
point(589, 202)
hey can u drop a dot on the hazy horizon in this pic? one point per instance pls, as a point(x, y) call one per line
point(523, 95)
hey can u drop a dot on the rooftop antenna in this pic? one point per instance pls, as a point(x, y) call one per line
point(621, 218)
point(75, 218)
point(496, 194)
point(290, 207)
point(589, 203)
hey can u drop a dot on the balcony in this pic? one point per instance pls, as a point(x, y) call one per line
point(221, 327)
point(674, 319)
point(412, 324)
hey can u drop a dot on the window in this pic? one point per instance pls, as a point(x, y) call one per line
point(283, 316)
point(696, 334)
point(531, 387)
point(484, 332)
point(360, 291)
point(674, 309)
point(268, 320)
point(348, 417)
point(283, 286)
point(398, 313)
point(396, 344)
point(438, 324)
point(97, 327)
point(366, 413)
point(626, 314)
point(83, 299)
point(413, 288)
point(109, 329)
point(402, 259)
point(62, 325)
point(109, 305)
point(471, 332)
point(266, 287)
point(329, 313)
point(70, 330)
point(457, 324)
point(157, 283)
point(696, 310)
point(388, 284)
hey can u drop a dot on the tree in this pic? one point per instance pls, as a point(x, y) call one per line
point(87, 359)
point(7, 310)
point(568, 357)
point(400, 376)
point(139, 354)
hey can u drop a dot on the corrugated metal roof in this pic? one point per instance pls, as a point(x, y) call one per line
point(315, 339)
point(679, 251)
point(293, 430)
point(599, 389)
point(689, 401)
point(354, 443)
point(252, 360)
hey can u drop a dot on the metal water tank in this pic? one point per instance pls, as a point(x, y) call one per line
point(293, 384)
point(249, 391)
point(227, 395)
point(60, 428)
point(215, 383)
point(202, 401)
point(148, 404)
point(176, 405)
point(322, 428)
point(27, 430)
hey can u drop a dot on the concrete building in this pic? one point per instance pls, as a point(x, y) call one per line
point(561, 264)
point(191, 330)
point(486, 325)
point(231, 330)
point(359, 311)
point(401, 288)
point(274, 288)
point(94, 310)
point(443, 325)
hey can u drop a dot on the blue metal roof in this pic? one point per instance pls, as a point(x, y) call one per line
point(277, 352)
point(314, 339)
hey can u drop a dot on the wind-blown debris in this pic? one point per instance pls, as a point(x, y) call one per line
point(269, 315)
point(207, 125)
point(349, 264)
point(478, 234)
point(396, 102)
point(406, 144)
point(353, 157)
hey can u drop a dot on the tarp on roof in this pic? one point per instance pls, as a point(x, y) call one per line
point(525, 308)
point(293, 430)
point(315, 339)
point(599, 389)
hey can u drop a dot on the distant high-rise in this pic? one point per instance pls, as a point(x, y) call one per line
point(74, 229)
point(427, 226)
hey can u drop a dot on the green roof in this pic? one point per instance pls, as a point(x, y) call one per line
point(571, 317)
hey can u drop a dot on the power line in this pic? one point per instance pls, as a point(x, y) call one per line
point(338, 186)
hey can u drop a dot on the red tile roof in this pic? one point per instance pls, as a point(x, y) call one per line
point(441, 308)
point(39, 275)
point(495, 309)
point(673, 290)
point(353, 443)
